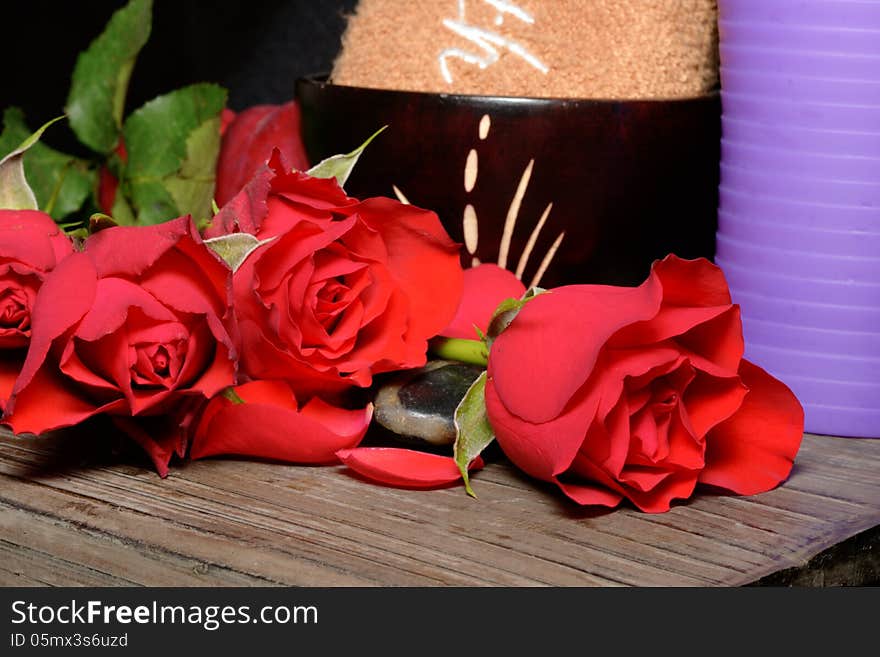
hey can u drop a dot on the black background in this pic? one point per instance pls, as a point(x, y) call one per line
point(254, 48)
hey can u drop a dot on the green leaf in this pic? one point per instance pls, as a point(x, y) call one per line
point(473, 431)
point(235, 248)
point(173, 142)
point(96, 101)
point(341, 166)
point(60, 182)
point(193, 188)
point(15, 192)
point(121, 210)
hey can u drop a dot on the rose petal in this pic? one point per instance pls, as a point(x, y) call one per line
point(160, 438)
point(65, 297)
point(423, 260)
point(485, 286)
point(404, 468)
point(547, 449)
point(128, 251)
point(49, 402)
point(754, 450)
point(549, 350)
point(33, 238)
point(266, 430)
point(691, 283)
point(245, 211)
point(11, 361)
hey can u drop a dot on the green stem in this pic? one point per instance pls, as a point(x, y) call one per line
point(474, 352)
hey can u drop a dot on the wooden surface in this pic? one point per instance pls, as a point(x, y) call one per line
point(72, 515)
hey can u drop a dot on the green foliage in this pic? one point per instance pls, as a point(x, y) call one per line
point(473, 431)
point(61, 183)
point(96, 101)
point(172, 143)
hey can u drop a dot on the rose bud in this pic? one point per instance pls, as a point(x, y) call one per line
point(134, 326)
point(31, 245)
point(640, 393)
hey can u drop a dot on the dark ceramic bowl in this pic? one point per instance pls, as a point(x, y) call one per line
point(629, 181)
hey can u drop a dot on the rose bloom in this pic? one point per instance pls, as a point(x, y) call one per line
point(344, 289)
point(31, 245)
point(135, 326)
point(640, 393)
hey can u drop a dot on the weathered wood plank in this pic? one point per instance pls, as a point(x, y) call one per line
point(236, 522)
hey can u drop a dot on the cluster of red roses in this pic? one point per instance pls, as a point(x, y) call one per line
point(612, 393)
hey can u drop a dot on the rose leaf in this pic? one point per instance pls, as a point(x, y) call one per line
point(472, 428)
point(100, 79)
point(341, 166)
point(172, 144)
point(193, 187)
point(235, 248)
point(15, 192)
point(61, 183)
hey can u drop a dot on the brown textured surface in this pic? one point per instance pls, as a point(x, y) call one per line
point(70, 517)
point(618, 49)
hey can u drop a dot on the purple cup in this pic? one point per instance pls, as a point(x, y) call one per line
point(845, 393)
point(799, 199)
point(810, 314)
point(834, 367)
point(841, 420)
point(774, 260)
point(811, 291)
point(819, 116)
point(808, 38)
point(791, 186)
point(852, 14)
point(856, 169)
point(842, 143)
point(789, 213)
point(814, 64)
point(746, 227)
point(823, 341)
point(797, 88)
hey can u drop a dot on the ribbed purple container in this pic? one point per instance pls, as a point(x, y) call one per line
point(799, 215)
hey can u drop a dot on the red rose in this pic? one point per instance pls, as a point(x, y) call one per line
point(134, 326)
point(31, 245)
point(344, 290)
point(269, 423)
point(248, 141)
point(640, 393)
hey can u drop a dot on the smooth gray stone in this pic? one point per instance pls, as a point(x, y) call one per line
point(420, 404)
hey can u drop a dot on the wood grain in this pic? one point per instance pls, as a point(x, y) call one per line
point(71, 514)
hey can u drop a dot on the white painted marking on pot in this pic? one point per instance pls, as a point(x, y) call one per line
point(527, 252)
point(512, 214)
point(485, 124)
point(470, 171)
point(470, 226)
point(399, 194)
point(475, 262)
point(545, 263)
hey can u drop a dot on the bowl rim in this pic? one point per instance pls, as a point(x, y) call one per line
point(322, 81)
